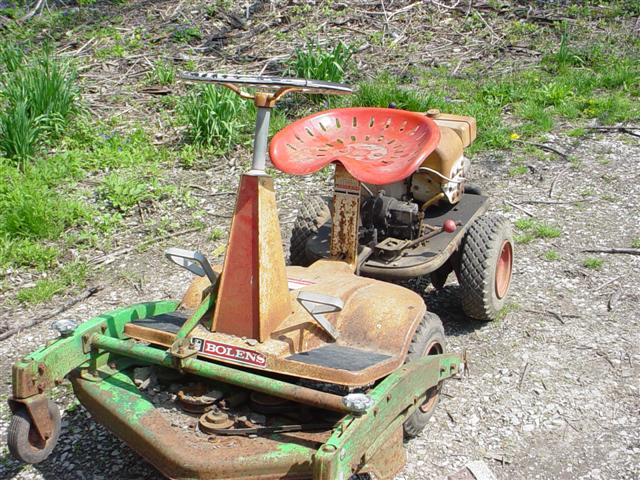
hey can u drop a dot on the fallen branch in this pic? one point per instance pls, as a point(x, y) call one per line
point(70, 303)
point(33, 11)
point(555, 180)
point(628, 251)
point(627, 130)
point(522, 209)
point(558, 202)
point(542, 146)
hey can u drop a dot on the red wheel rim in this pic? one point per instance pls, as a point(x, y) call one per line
point(503, 269)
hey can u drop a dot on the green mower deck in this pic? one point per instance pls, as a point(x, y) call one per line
point(100, 361)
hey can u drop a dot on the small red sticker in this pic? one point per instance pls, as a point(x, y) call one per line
point(223, 351)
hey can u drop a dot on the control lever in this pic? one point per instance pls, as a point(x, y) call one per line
point(193, 261)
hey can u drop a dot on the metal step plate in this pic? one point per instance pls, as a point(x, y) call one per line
point(340, 358)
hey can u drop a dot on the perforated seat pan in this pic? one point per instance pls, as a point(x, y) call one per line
point(376, 145)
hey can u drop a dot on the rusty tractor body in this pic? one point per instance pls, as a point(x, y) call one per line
point(261, 370)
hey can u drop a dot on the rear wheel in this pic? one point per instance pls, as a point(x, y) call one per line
point(486, 264)
point(23, 440)
point(428, 340)
point(314, 212)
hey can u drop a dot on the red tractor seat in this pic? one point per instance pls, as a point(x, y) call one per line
point(376, 145)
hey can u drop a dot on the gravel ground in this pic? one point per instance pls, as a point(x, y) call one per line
point(552, 390)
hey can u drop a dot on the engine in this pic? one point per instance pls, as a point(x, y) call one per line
point(383, 216)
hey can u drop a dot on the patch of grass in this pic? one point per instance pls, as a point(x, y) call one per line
point(507, 309)
point(187, 34)
point(30, 209)
point(531, 229)
point(518, 170)
point(216, 116)
point(71, 275)
point(593, 263)
point(122, 191)
point(216, 234)
point(385, 91)
point(551, 255)
point(635, 243)
point(163, 73)
point(40, 98)
point(321, 63)
point(26, 252)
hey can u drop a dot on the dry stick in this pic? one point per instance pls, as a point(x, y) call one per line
point(70, 303)
point(522, 209)
point(627, 130)
point(32, 12)
point(608, 283)
point(558, 202)
point(524, 371)
point(628, 251)
point(542, 146)
point(555, 180)
point(123, 251)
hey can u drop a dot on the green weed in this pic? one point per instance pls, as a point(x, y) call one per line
point(518, 170)
point(187, 34)
point(593, 263)
point(123, 191)
point(216, 116)
point(320, 63)
point(71, 275)
point(163, 73)
point(635, 243)
point(534, 229)
point(40, 99)
point(551, 255)
point(216, 234)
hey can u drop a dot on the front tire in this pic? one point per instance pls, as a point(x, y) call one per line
point(486, 265)
point(428, 340)
point(23, 440)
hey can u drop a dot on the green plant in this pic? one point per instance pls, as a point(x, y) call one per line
point(11, 57)
point(186, 34)
point(163, 73)
point(635, 243)
point(385, 91)
point(593, 263)
point(518, 170)
point(123, 191)
point(216, 234)
point(551, 255)
point(18, 133)
point(41, 97)
point(531, 229)
point(215, 116)
point(318, 63)
point(71, 275)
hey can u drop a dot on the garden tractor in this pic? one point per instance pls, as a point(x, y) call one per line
point(261, 370)
point(416, 230)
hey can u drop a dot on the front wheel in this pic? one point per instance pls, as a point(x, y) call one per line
point(486, 264)
point(23, 440)
point(428, 340)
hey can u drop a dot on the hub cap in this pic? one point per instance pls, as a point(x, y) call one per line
point(503, 269)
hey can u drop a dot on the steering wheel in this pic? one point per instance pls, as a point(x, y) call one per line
point(281, 85)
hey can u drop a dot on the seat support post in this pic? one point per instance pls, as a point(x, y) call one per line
point(346, 212)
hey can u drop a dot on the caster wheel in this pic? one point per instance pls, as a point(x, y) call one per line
point(24, 442)
point(428, 340)
point(486, 265)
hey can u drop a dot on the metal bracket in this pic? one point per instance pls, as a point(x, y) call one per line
point(86, 337)
point(317, 304)
point(180, 350)
point(193, 261)
point(38, 409)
